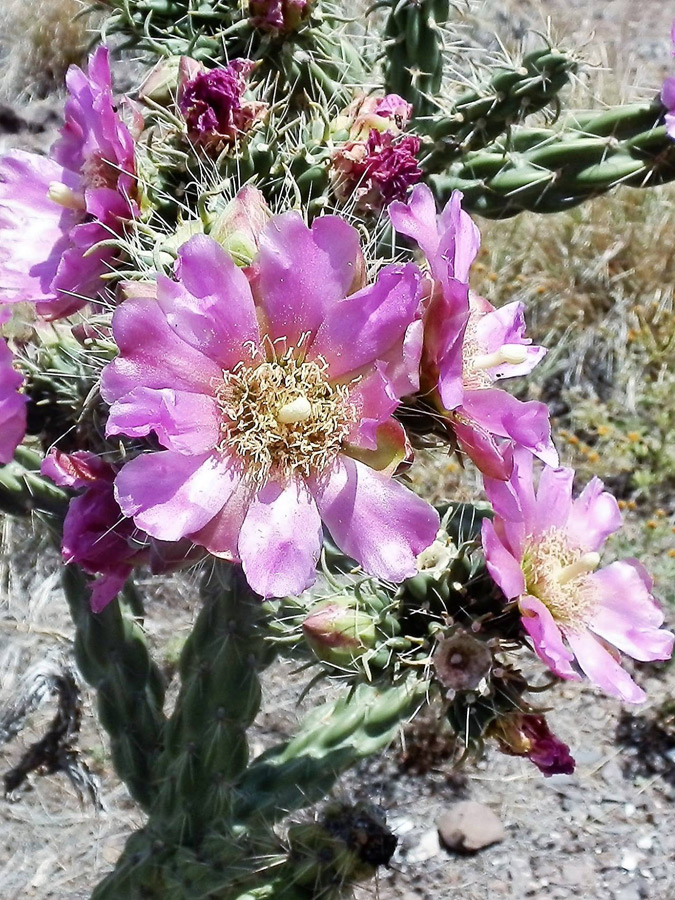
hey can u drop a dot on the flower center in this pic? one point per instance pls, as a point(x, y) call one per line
point(476, 362)
point(283, 417)
point(556, 574)
point(97, 172)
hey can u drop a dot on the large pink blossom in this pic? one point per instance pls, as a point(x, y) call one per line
point(273, 399)
point(469, 345)
point(12, 402)
point(668, 95)
point(96, 535)
point(543, 551)
point(54, 210)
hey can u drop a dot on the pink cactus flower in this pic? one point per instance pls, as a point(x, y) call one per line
point(525, 734)
point(273, 399)
point(373, 173)
point(12, 402)
point(279, 15)
point(543, 551)
point(212, 102)
point(365, 113)
point(469, 345)
point(54, 210)
point(96, 535)
point(668, 95)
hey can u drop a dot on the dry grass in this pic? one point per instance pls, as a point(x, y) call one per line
point(39, 39)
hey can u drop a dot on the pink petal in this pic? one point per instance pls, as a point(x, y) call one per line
point(594, 515)
point(668, 94)
point(152, 355)
point(33, 229)
point(460, 239)
point(554, 498)
point(547, 637)
point(212, 307)
point(365, 326)
point(526, 423)
point(602, 669)
point(391, 448)
point(374, 519)
point(506, 325)
point(503, 567)
point(486, 453)
point(375, 402)
point(417, 219)
point(12, 406)
point(402, 362)
point(221, 535)
point(107, 587)
point(445, 325)
point(627, 615)
point(184, 422)
point(170, 495)
point(303, 272)
point(280, 540)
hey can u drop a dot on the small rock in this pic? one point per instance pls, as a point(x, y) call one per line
point(469, 826)
point(427, 847)
point(630, 892)
point(574, 873)
point(646, 842)
point(629, 861)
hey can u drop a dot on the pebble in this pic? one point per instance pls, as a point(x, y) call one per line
point(426, 848)
point(470, 826)
point(577, 873)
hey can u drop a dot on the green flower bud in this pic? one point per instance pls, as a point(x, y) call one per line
point(237, 228)
point(338, 632)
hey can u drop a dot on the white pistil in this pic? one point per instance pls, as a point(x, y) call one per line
point(65, 196)
point(586, 564)
point(508, 354)
point(298, 410)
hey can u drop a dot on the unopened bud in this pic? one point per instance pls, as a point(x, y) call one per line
point(338, 632)
point(237, 228)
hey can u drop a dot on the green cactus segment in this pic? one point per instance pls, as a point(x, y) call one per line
point(551, 170)
point(414, 52)
point(112, 654)
point(479, 116)
point(206, 748)
point(316, 61)
point(330, 740)
point(24, 491)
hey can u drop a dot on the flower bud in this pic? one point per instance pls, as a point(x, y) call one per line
point(529, 735)
point(161, 83)
point(282, 16)
point(338, 632)
point(237, 228)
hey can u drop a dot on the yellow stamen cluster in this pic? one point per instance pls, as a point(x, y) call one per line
point(556, 574)
point(283, 417)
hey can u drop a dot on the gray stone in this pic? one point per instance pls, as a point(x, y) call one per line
point(470, 826)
